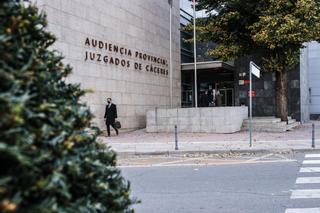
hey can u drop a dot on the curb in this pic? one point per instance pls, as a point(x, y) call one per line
point(243, 151)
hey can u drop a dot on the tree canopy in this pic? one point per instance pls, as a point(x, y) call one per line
point(274, 30)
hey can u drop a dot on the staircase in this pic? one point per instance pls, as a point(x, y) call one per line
point(270, 124)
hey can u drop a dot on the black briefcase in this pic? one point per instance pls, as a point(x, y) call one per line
point(117, 124)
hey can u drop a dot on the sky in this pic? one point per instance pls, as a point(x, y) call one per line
point(186, 5)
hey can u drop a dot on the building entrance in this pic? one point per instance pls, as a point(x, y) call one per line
point(227, 97)
point(222, 92)
point(215, 86)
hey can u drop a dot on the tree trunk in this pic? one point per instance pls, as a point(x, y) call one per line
point(282, 95)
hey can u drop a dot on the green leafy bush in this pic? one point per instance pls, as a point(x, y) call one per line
point(50, 158)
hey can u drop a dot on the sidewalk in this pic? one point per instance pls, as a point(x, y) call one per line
point(140, 142)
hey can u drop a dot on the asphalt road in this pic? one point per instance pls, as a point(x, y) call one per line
point(251, 184)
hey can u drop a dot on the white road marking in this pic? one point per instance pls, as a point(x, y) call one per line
point(311, 162)
point(282, 156)
point(303, 210)
point(303, 180)
point(312, 155)
point(177, 161)
point(305, 193)
point(260, 158)
point(310, 169)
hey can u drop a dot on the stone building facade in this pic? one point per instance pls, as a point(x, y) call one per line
point(119, 49)
point(310, 81)
point(264, 101)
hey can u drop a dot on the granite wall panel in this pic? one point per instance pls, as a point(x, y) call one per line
point(139, 25)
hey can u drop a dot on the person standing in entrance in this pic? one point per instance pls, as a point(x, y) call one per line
point(219, 98)
point(110, 116)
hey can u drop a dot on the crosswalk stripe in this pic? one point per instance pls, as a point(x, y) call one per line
point(301, 180)
point(309, 169)
point(311, 162)
point(303, 210)
point(305, 193)
point(312, 155)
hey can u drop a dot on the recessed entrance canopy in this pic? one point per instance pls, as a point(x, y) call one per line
point(208, 65)
point(211, 75)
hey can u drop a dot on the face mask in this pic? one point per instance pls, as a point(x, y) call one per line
point(109, 102)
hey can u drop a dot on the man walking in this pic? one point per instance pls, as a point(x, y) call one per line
point(110, 116)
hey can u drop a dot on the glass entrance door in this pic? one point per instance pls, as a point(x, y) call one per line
point(227, 97)
point(187, 95)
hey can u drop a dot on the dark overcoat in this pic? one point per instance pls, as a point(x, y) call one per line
point(110, 114)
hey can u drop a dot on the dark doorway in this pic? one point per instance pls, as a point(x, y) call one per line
point(209, 81)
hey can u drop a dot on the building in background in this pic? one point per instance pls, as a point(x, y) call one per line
point(314, 79)
point(212, 73)
point(310, 81)
point(231, 78)
point(119, 49)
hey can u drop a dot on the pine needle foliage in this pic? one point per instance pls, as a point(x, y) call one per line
point(50, 158)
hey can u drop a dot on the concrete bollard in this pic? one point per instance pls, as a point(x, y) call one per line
point(176, 137)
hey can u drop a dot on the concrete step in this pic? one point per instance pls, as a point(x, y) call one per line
point(293, 125)
point(268, 120)
point(270, 124)
point(291, 121)
point(264, 120)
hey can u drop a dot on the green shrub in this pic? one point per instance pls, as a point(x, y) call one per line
point(50, 158)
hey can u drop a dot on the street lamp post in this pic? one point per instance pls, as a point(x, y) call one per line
point(170, 55)
point(195, 55)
